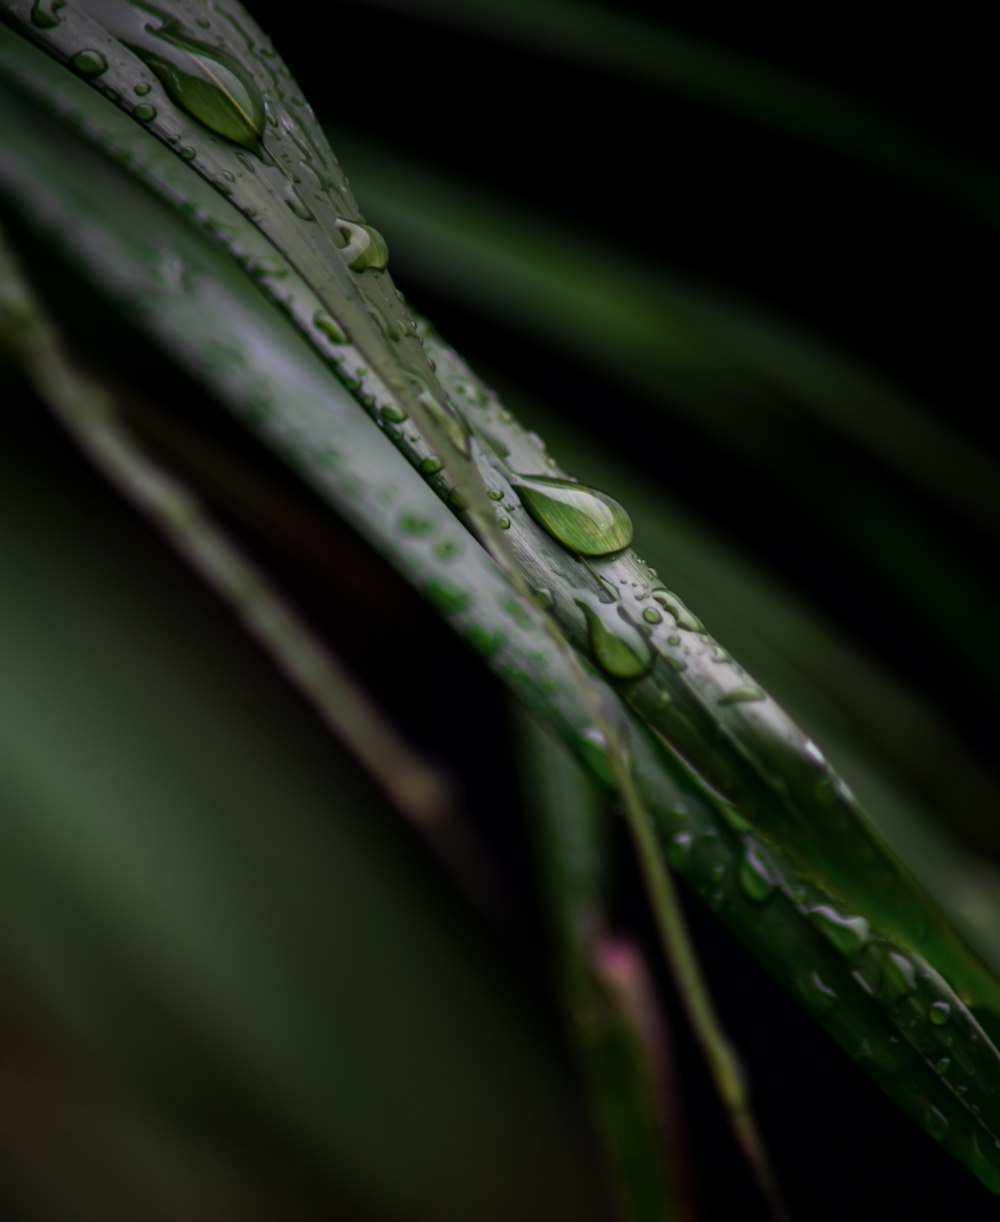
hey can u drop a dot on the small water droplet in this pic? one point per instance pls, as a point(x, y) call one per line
point(848, 934)
point(504, 523)
point(939, 1013)
point(415, 524)
point(144, 112)
point(619, 649)
point(899, 978)
point(46, 13)
point(142, 89)
point(755, 877)
point(816, 992)
point(682, 616)
point(446, 597)
point(680, 848)
point(485, 641)
point(332, 329)
point(593, 749)
point(942, 1066)
point(868, 972)
point(936, 1123)
point(495, 494)
point(741, 695)
point(652, 616)
point(582, 519)
point(393, 414)
point(89, 63)
point(430, 465)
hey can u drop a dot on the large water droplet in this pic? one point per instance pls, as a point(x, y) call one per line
point(214, 92)
point(46, 13)
point(89, 63)
point(619, 648)
point(202, 80)
point(585, 521)
point(365, 247)
point(939, 1013)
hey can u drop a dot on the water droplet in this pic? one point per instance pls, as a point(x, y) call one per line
point(394, 414)
point(942, 1066)
point(593, 749)
point(868, 972)
point(755, 877)
point(585, 521)
point(210, 86)
point(416, 524)
point(680, 848)
point(652, 616)
point(899, 978)
point(46, 13)
point(142, 89)
point(332, 329)
point(816, 993)
point(741, 695)
point(365, 247)
point(677, 664)
point(939, 1013)
point(430, 466)
point(296, 203)
point(89, 63)
point(848, 934)
point(144, 112)
point(619, 649)
point(936, 1123)
point(504, 523)
point(452, 425)
point(446, 597)
point(487, 642)
point(495, 494)
point(682, 616)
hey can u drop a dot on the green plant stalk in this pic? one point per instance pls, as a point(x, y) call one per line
point(609, 1009)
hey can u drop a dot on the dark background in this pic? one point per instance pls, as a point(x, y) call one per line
point(895, 265)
